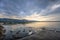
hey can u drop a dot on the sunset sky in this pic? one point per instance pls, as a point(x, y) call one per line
point(41, 10)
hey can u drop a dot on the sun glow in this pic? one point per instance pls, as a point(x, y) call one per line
point(38, 17)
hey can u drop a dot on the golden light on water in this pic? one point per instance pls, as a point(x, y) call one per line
point(37, 24)
point(33, 24)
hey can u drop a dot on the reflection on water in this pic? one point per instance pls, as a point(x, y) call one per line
point(22, 30)
point(34, 25)
point(44, 24)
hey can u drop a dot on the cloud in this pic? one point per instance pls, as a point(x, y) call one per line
point(38, 17)
point(2, 15)
point(30, 9)
point(54, 7)
point(47, 14)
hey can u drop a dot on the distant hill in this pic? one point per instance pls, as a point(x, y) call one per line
point(11, 21)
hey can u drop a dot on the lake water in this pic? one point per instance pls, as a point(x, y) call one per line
point(25, 28)
point(35, 25)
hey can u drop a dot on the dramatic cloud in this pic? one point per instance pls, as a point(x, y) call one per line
point(42, 10)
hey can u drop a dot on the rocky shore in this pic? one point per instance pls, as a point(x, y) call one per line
point(44, 35)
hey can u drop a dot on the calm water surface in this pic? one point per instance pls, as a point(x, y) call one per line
point(34, 25)
point(24, 28)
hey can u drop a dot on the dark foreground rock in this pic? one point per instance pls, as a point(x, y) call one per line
point(44, 35)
